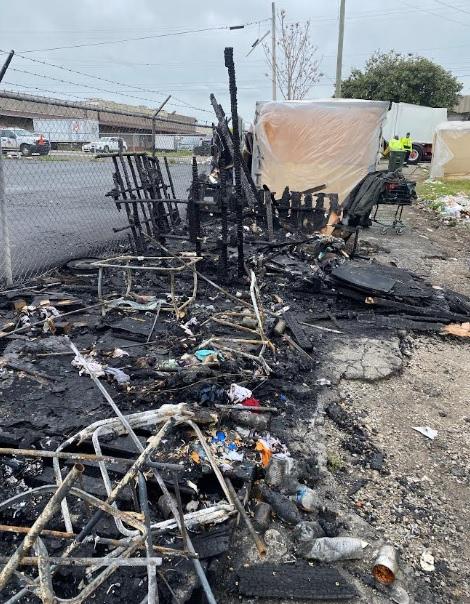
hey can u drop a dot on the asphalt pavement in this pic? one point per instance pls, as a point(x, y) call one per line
point(57, 211)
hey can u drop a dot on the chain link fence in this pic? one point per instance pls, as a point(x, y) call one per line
point(53, 202)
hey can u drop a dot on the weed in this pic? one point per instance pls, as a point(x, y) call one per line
point(334, 462)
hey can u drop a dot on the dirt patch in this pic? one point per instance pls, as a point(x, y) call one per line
point(420, 503)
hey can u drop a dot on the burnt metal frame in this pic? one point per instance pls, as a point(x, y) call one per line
point(149, 202)
point(153, 264)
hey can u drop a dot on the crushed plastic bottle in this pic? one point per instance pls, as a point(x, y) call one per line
point(307, 531)
point(280, 471)
point(332, 549)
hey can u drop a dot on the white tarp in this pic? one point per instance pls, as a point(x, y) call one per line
point(303, 144)
point(451, 151)
point(419, 120)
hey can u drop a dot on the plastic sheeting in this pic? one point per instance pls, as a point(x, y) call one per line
point(303, 144)
point(451, 151)
point(420, 121)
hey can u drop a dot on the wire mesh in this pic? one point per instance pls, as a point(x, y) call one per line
point(54, 203)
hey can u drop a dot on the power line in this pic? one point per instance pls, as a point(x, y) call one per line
point(452, 6)
point(41, 89)
point(88, 75)
point(149, 37)
point(81, 84)
point(423, 10)
point(182, 101)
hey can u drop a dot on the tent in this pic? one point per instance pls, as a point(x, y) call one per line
point(451, 151)
point(303, 144)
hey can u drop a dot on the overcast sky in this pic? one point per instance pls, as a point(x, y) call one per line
point(190, 66)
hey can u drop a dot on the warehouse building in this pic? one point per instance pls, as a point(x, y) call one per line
point(69, 122)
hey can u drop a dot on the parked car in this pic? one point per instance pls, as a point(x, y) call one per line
point(27, 143)
point(203, 148)
point(106, 144)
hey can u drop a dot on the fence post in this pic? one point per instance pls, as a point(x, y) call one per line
point(5, 250)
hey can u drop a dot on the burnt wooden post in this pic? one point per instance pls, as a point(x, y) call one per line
point(228, 55)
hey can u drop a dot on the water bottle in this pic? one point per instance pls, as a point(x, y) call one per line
point(307, 499)
point(258, 421)
point(280, 470)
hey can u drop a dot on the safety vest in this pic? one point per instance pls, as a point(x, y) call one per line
point(395, 145)
point(407, 143)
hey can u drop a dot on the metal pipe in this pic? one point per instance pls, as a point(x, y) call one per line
point(140, 462)
point(87, 591)
point(106, 561)
point(39, 524)
point(339, 54)
point(4, 232)
point(12, 528)
point(154, 117)
point(153, 443)
point(107, 482)
point(89, 457)
point(44, 571)
point(152, 595)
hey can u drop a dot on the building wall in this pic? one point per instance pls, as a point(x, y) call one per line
point(21, 110)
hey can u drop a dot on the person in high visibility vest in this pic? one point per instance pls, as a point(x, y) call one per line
point(395, 144)
point(407, 144)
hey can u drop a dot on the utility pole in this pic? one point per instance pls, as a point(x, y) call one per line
point(273, 47)
point(5, 251)
point(339, 56)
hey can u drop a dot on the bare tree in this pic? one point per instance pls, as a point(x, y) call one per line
point(297, 69)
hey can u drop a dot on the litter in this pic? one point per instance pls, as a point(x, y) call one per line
point(87, 365)
point(386, 565)
point(237, 394)
point(120, 376)
point(332, 549)
point(307, 499)
point(218, 398)
point(426, 431)
point(119, 353)
point(208, 356)
point(265, 450)
point(427, 562)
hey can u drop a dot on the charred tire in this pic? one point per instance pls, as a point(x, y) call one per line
point(106, 149)
point(416, 154)
point(25, 150)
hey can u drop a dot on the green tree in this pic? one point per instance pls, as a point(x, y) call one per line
point(403, 78)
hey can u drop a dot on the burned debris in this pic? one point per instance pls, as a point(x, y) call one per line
point(148, 446)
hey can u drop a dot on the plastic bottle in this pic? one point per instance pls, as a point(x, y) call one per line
point(258, 421)
point(282, 506)
point(281, 468)
point(262, 517)
point(332, 549)
point(307, 499)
